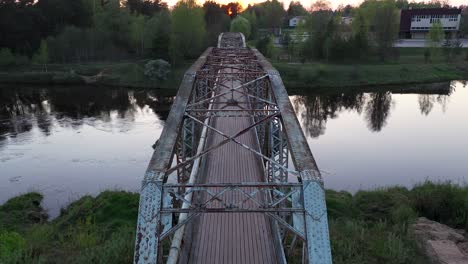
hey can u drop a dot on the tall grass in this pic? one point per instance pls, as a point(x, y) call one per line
point(368, 227)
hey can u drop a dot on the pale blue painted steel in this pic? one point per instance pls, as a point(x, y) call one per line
point(147, 238)
point(316, 222)
point(298, 218)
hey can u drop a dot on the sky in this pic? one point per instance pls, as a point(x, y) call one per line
point(307, 3)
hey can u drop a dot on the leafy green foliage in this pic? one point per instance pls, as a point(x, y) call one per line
point(368, 227)
point(157, 69)
point(42, 55)
point(6, 57)
point(216, 20)
point(11, 243)
point(22, 211)
point(446, 203)
point(240, 24)
point(188, 31)
point(265, 46)
point(436, 34)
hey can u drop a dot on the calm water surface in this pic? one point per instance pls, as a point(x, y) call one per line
point(68, 142)
point(402, 136)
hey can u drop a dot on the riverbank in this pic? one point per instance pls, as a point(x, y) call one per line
point(312, 76)
point(115, 74)
point(409, 69)
point(368, 227)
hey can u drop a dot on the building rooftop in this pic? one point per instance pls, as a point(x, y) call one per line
point(406, 14)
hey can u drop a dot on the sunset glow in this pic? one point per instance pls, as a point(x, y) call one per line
point(307, 3)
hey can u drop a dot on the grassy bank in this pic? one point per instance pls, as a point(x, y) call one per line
point(409, 68)
point(368, 227)
point(121, 74)
point(319, 75)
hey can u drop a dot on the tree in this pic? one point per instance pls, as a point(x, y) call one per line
point(360, 34)
point(232, 9)
point(436, 34)
point(464, 21)
point(252, 18)
point(386, 27)
point(42, 55)
point(265, 46)
point(187, 31)
point(6, 57)
point(145, 7)
point(137, 33)
point(320, 26)
point(158, 34)
point(216, 20)
point(296, 9)
point(321, 5)
point(240, 24)
point(271, 14)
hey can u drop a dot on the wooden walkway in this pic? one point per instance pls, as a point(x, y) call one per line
point(232, 237)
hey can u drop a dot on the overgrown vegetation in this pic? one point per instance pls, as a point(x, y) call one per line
point(368, 227)
point(410, 67)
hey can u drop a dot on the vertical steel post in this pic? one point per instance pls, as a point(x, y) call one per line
point(149, 218)
point(316, 222)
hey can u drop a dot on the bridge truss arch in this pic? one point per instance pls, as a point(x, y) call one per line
point(232, 99)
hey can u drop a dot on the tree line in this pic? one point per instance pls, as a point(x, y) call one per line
point(65, 31)
point(323, 34)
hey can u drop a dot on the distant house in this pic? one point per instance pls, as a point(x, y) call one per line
point(415, 23)
point(294, 21)
point(346, 20)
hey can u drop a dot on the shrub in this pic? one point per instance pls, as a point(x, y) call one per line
point(443, 202)
point(265, 46)
point(157, 69)
point(11, 243)
point(6, 57)
point(240, 24)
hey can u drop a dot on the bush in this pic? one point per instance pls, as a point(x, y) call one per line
point(444, 202)
point(157, 70)
point(11, 243)
point(6, 57)
point(240, 24)
point(265, 46)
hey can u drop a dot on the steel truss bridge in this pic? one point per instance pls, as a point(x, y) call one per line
point(232, 178)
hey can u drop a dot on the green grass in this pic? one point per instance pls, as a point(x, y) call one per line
point(127, 74)
point(367, 227)
point(410, 67)
point(317, 75)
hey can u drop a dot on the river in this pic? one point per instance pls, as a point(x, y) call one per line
point(66, 142)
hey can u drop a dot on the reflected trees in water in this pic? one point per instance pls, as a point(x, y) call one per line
point(377, 110)
point(21, 109)
point(319, 108)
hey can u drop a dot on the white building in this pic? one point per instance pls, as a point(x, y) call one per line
point(297, 20)
point(415, 23)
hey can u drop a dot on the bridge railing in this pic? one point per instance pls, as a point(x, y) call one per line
point(291, 196)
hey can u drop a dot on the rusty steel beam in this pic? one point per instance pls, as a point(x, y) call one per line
point(149, 215)
point(207, 88)
point(316, 222)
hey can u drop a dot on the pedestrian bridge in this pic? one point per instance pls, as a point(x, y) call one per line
point(232, 178)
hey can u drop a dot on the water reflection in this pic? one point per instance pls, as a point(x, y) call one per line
point(380, 136)
point(316, 109)
point(23, 108)
point(68, 142)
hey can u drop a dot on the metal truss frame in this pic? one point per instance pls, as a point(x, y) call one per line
point(297, 208)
